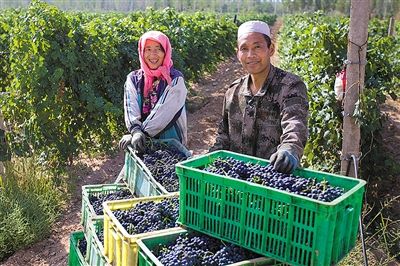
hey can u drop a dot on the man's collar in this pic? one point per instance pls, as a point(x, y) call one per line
point(245, 87)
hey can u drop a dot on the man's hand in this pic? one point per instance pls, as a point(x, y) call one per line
point(125, 141)
point(138, 141)
point(283, 161)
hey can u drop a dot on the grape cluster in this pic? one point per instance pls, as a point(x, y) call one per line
point(149, 216)
point(160, 159)
point(100, 236)
point(97, 200)
point(267, 176)
point(198, 249)
point(82, 244)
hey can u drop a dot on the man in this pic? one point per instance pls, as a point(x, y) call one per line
point(265, 112)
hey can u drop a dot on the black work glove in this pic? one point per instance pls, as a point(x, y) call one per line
point(284, 161)
point(138, 141)
point(125, 141)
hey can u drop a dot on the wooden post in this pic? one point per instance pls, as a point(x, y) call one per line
point(356, 59)
point(2, 169)
point(2, 175)
point(391, 27)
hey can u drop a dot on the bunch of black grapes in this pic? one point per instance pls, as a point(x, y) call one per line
point(97, 200)
point(267, 176)
point(149, 216)
point(198, 249)
point(82, 244)
point(100, 235)
point(160, 159)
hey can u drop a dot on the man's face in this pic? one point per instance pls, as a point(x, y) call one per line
point(254, 53)
point(153, 54)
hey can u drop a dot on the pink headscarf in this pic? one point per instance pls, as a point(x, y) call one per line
point(162, 71)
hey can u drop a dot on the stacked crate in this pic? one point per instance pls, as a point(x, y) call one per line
point(93, 224)
point(284, 227)
point(136, 178)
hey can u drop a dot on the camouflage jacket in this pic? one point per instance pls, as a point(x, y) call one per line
point(274, 118)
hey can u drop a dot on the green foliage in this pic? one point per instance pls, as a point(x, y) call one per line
point(379, 8)
point(266, 17)
point(29, 204)
point(384, 58)
point(39, 58)
point(65, 72)
point(315, 49)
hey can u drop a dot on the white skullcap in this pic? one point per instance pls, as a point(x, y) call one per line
point(254, 26)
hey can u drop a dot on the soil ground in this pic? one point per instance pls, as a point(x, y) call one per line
point(205, 106)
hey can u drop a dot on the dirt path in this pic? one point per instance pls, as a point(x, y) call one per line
point(391, 135)
point(202, 127)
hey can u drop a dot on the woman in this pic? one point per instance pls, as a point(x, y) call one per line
point(154, 98)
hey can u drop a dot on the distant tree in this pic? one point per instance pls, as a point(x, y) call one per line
point(317, 5)
point(379, 8)
point(343, 6)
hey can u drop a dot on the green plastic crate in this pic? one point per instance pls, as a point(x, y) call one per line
point(138, 176)
point(95, 248)
point(95, 190)
point(147, 258)
point(278, 224)
point(75, 257)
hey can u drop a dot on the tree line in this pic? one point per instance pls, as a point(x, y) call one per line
point(380, 8)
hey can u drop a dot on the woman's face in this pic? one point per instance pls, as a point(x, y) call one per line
point(153, 54)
